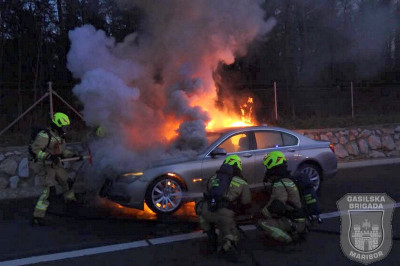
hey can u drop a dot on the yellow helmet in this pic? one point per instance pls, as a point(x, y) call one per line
point(61, 119)
point(273, 159)
point(234, 159)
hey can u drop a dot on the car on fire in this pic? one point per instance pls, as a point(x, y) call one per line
point(168, 183)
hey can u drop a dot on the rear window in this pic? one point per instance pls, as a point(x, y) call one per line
point(268, 139)
point(289, 140)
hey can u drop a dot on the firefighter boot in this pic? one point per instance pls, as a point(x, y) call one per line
point(41, 221)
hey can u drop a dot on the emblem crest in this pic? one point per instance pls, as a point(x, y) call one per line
point(366, 226)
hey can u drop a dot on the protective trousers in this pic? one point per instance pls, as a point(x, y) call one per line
point(281, 229)
point(51, 176)
point(223, 218)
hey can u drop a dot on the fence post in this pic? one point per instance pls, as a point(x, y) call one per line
point(352, 99)
point(51, 99)
point(276, 102)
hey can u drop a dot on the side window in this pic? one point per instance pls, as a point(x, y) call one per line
point(268, 139)
point(289, 140)
point(236, 143)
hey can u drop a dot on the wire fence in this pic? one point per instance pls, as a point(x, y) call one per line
point(303, 102)
point(286, 102)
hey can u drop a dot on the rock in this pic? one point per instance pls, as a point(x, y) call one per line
point(24, 185)
point(378, 132)
point(337, 134)
point(365, 133)
point(398, 145)
point(374, 142)
point(354, 132)
point(388, 131)
point(2, 157)
point(353, 135)
point(23, 168)
point(396, 137)
point(340, 151)
point(363, 145)
point(329, 134)
point(17, 153)
point(333, 140)
point(376, 154)
point(3, 182)
point(324, 137)
point(311, 136)
point(8, 166)
point(394, 154)
point(14, 180)
point(343, 140)
point(352, 148)
point(397, 129)
point(388, 143)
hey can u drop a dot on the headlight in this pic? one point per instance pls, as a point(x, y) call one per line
point(129, 177)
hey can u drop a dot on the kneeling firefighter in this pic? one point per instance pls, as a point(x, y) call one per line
point(284, 219)
point(227, 193)
point(46, 151)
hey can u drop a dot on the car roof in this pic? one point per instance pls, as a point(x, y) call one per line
point(250, 128)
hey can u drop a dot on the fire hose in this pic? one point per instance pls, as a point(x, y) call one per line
point(77, 158)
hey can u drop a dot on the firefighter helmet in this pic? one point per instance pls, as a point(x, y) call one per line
point(61, 119)
point(234, 160)
point(274, 159)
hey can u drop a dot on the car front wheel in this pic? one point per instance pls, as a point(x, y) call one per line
point(164, 195)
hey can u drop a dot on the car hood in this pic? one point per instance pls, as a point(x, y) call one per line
point(174, 160)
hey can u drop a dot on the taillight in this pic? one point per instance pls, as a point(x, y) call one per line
point(332, 148)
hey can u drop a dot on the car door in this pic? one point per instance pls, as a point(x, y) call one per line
point(274, 140)
point(239, 144)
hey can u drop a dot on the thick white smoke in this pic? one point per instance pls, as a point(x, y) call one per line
point(155, 92)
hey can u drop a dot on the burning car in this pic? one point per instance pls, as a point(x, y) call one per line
point(168, 183)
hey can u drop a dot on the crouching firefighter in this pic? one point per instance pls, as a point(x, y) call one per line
point(46, 151)
point(227, 193)
point(284, 218)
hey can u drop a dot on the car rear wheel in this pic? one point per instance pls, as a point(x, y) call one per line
point(314, 173)
point(164, 195)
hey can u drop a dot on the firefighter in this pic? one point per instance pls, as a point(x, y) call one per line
point(227, 193)
point(47, 150)
point(283, 217)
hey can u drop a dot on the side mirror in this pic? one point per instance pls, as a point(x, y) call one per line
point(217, 151)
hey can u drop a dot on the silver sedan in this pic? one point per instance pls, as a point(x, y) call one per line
point(168, 183)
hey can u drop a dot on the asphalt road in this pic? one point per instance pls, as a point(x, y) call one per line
point(102, 224)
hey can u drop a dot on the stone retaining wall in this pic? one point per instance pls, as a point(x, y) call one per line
point(360, 143)
point(16, 176)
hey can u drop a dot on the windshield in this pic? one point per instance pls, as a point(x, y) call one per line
point(211, 137)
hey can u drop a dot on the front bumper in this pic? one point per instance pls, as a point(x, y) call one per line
point(123, 193)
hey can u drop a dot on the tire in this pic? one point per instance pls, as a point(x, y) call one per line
point(314, 173)
point(164, 195)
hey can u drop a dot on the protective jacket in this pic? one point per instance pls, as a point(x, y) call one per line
point(285, 191)
point(56, 146)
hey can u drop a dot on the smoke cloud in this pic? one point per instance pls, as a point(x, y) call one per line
point(154, 92)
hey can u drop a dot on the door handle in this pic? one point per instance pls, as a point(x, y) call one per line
point(247, 155)
point(291, 150)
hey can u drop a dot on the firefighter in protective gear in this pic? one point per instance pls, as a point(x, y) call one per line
point(48, 148)
point(283, 219)
point(236, 197)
